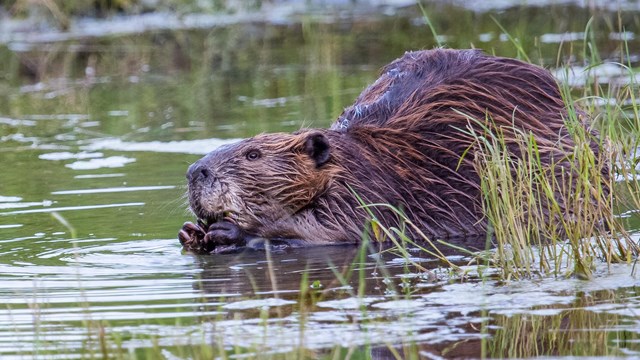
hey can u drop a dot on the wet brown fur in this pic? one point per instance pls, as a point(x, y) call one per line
point(399, 144)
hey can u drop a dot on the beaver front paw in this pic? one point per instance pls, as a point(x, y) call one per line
point(221, 237)
point(225, 233)
point(192, 238)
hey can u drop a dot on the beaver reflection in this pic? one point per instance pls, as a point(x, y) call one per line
point(402, 143)
point(239, 278)
point(247, 271)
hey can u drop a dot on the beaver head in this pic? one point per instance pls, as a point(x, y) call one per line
point(259, 180)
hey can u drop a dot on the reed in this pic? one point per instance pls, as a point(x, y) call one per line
point(542, 223)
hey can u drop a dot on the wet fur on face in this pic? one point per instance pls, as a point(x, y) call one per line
point(257, 181)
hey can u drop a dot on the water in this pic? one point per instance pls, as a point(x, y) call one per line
point(97, 128)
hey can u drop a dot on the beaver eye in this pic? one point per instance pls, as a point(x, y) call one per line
point(253, 155)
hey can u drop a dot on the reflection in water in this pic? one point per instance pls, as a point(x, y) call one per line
point(316, 298)
point(251, 273)
point(417, 309)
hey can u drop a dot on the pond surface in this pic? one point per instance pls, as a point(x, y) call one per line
point(97, 129)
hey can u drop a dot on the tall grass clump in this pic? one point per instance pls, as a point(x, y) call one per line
point(549, 217)
point(620, 119)
point(616, 108)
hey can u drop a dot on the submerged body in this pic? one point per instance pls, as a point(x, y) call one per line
point(405, 142)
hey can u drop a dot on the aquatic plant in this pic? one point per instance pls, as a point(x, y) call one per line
point(570, 220)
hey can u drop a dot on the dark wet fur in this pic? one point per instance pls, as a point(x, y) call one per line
point(399, 144)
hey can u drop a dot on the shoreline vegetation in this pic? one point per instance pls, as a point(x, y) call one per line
point(134, 16)
point(525, 247)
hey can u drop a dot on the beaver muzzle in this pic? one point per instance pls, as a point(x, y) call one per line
point(209, 197)
point(227, 216)
point(216, 208)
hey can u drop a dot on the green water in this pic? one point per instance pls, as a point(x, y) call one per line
point(96, 134)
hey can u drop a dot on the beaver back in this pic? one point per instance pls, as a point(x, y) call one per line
point(407, 138)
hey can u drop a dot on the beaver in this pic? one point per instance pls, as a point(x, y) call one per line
point(402, 143)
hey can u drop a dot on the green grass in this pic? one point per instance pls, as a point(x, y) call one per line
point(546, 224)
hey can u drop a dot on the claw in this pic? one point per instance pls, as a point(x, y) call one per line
point(190, 236)
point(184, 238)
point(219, 237)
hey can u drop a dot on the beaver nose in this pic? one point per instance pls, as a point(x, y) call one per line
point(198, 172)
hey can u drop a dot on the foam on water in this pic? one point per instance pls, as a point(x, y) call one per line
point(66, 155)
point(111, 190)
point(606, 73)
point(108, 162)
point(199, 147)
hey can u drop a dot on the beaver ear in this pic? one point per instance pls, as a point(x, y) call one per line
point(317, 147)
